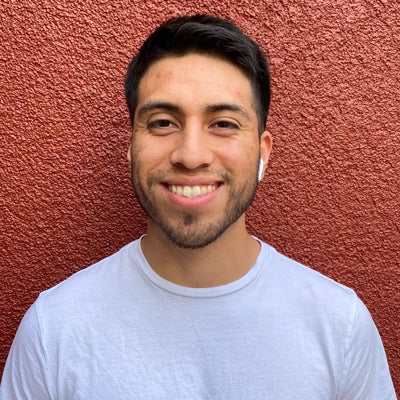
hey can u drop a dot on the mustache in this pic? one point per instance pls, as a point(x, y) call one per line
point(176, 171)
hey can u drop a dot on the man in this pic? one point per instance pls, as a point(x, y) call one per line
point(197, 308)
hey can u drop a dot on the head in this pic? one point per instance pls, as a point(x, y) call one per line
point(206, 35)
point(198, 97)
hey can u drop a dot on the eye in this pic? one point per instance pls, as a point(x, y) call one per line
point(161, 126)
point(160, 123)
point(225, 125)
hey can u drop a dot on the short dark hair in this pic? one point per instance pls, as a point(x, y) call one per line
point(202, 34)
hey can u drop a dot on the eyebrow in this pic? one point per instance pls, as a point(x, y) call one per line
point(155, 105)
point(228, 107)
point(212, 108)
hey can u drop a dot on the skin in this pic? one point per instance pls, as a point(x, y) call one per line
point(196, 127)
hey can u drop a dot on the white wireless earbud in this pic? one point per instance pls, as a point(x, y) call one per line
point(260, 170)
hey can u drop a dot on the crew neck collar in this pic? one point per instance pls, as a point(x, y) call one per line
point(215, 291)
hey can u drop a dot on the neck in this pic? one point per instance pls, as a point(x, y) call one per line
point(225, 260)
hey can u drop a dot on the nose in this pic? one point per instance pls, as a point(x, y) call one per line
point(193, 148)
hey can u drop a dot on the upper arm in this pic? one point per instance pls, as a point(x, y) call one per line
point(366, 373)
point(25, 374)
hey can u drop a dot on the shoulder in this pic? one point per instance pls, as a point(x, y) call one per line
point(302, 280)
point(318, 305)
point(107, 268)
point(90, 286)
point(309, 297)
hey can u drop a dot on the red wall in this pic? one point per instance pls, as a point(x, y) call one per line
point(330, 200)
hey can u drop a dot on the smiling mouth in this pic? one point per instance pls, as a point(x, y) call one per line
point(192, 191)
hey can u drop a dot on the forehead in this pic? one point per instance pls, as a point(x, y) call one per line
point(195, 78)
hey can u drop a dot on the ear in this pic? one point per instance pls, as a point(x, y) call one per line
point(128, 155)
point(265, 149)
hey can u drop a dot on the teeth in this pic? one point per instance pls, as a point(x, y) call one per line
point(191, 191)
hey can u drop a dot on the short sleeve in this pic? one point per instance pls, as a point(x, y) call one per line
point(25, 376)
point(366, 373)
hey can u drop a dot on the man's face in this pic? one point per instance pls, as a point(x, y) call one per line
point(195, 148)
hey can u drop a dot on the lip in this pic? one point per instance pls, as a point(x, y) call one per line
point(191, 181)
point(192, 203)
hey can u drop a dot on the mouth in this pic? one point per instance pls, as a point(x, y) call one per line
point(192, 191)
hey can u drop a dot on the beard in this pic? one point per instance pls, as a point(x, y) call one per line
point(190, 232)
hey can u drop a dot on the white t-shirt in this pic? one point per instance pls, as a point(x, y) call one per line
point(117, 330)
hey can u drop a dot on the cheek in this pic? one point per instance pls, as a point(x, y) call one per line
point(241, 159)
point(148, 156)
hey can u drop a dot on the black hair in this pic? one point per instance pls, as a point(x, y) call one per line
point(208, 35)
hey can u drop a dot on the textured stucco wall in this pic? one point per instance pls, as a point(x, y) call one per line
point(331, 197)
